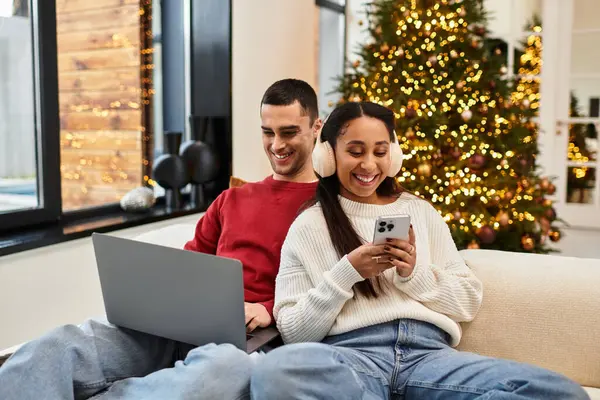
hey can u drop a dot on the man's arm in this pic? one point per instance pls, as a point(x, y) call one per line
point(208, 229)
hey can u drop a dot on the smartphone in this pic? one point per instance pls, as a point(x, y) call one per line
point(391, 227)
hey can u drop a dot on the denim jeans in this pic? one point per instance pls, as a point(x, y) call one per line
point(403, 359)
point(99, 361)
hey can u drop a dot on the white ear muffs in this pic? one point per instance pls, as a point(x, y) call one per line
point(396, 157)
point(323, 158)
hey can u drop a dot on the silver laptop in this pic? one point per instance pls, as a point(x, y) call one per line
point(186, 296)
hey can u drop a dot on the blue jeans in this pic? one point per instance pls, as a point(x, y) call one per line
point(403, 359)
point(100, 361)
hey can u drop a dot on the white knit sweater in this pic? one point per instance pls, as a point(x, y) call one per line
point(314, 296)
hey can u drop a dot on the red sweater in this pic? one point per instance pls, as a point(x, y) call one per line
point(249, 224)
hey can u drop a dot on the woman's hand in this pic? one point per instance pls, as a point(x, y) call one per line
point(370, 260)
point(403, 254)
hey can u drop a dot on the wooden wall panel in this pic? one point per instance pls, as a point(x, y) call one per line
point(100, 39)
point(103, 18)
point(101, 140)
point(94, 59)
point(109, 100)
point(104, 160)
point(118, 79)
point(67, 6)
point(100, 95)
point(104, 120)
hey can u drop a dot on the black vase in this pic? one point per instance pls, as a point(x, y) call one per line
point(169, 171)
point(202, 167)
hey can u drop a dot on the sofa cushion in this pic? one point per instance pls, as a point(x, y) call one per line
point(593, 392)
point(539, 309)
point(176, 235)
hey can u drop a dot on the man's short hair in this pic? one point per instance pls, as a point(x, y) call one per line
point(288, 91)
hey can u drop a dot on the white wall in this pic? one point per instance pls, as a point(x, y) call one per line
point(55, 285)
point(271, 40)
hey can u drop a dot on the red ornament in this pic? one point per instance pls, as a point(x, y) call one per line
point(545, 225)
point(477, 161)
point(410, 112)
point(527, 242)
point(550, 213)
point(486, 234)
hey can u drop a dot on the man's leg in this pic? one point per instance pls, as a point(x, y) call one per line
point(450, 374)
point(317, 371)
point(74, 362)
point(208, 372)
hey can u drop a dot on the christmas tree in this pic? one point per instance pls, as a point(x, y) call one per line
point(469, 147)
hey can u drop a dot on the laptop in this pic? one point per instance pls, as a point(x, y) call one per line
point(186, 296)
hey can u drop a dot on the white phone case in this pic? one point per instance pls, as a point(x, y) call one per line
point(393, 227)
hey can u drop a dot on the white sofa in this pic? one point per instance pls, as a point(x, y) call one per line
point(539, 309)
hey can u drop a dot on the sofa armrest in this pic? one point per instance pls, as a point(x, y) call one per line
point(538, 309)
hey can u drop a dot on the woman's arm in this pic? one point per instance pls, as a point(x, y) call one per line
point(305, 312)
point(447, 285)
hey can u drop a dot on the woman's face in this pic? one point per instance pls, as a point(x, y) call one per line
point(362, 156)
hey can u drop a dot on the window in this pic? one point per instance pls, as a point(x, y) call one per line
point(18, 169)
point(330, 28)
point(77, 113)
point(29, 184)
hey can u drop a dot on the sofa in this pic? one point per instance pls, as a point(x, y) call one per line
point(538, 309)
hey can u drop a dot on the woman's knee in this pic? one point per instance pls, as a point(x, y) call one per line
point(542, 383)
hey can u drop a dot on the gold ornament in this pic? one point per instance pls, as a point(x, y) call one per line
point(473, 245)
point(410, 133)
point(460, 85)
point(545, 183)
point(457, 215)
point(378, 30)
point(509, 195)
point(424, 169)
point(527, 242)
point(360, 22)
point(453, 53)
point(356, 64)
point(555, 236)
point(385, 48)
point(502, 218)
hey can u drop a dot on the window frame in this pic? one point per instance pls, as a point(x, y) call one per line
point(341, 10)
point(27, 229)
point(47, 121)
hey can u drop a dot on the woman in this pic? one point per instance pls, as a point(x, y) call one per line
point(373, 322)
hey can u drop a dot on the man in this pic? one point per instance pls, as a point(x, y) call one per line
point(248, 223)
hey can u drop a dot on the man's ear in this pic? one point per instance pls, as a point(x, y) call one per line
point(317, 126)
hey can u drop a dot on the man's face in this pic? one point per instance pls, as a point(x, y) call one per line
point(288, 139)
